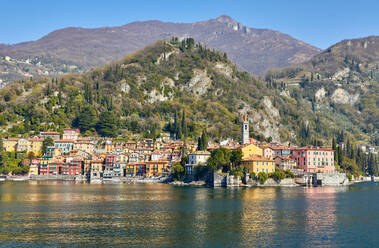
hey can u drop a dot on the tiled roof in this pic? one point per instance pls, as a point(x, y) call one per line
point(258, 158)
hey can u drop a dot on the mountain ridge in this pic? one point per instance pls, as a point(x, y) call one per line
point(253, 50)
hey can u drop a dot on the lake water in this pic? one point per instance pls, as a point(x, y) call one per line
point(56, 214)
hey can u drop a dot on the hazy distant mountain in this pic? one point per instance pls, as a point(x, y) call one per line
point(72, 49)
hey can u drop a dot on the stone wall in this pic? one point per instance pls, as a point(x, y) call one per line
point(272, 182)
point(335, 179)
point(220, 180)
point(52, 177)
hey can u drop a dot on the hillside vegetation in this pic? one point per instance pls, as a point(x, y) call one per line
point(179, 87)
point(341, 84)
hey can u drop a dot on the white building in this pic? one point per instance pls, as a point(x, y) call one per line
point(71, 133)
point(196, 158)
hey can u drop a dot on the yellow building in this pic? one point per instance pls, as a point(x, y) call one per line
point(109, 146)
point(35, 146)
point(10, 144)
point(34, 166)
point(85, 145)
point(250, 150)
point(97, 168)
point(24, 145)
point(156, 168)
point(258, 164)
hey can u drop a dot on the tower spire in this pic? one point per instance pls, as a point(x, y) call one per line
point(245, 129)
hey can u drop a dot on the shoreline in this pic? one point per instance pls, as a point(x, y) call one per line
point(165, 180)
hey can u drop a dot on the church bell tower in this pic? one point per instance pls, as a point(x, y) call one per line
point(245, 130)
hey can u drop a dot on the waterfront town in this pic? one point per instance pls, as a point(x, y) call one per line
point(98, 159)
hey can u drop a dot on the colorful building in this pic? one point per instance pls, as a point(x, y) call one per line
point(44, 166)
point(267, 152)
point(73, 168)
point(85, 145)
point(53, 135)
point(285, 162)
point(196, 158)
point(315, 159)
point(35, 146)
point(65, 146)
point(258, 164)
point(71, 133)
point(10, 144)
point(97, 168)
point(156, 168)
point(250, 150)
point(56, 167)
point(34, 166)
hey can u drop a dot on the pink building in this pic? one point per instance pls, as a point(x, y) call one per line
point(314, 159)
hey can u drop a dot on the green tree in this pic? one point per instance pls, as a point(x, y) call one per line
point(372, 167)
point(236, 157)
point(107, 124)
point(46, 143)
point(238, 172)
point(339, 155)
point(177, 170)
point(3, 159)
point(87, 119)
point(262, 177)
point(184, 124)
point(278, 175)
point(220, 158)
point(1, 144)
point(202, 143)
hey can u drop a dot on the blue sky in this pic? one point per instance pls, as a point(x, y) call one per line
point(318, 22)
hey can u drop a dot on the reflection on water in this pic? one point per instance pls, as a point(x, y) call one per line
point(157, 215)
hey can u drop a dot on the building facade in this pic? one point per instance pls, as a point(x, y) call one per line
point(258, 164)
point(250, 150)
point(315, 159)
point(65, 146)
point(196, 158)
point(71, 133)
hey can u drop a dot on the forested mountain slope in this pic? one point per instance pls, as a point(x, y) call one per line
point(154, 89)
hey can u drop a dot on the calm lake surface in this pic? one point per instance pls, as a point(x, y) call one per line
point(56, 214)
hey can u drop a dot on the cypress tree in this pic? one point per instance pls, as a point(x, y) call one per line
point(184, 124)
point(204, 141)
point(334, 145)
point(199, 143)
point(340, 156)
point(372, 165)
